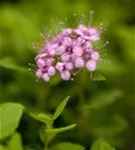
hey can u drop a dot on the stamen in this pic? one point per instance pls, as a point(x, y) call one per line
point(82, 19)
point(32, 67)
point(61, 24)
point(103, 51)
point(49, 34)
point(103, 27)
point(72, 79)
point(42, 36)
point(74, 74)
point(91, 17)
point(103, 61)
point(37, 79)
point(102, 46)
point(37, 46)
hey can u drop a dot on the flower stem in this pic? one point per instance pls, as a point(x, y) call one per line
point(49, 137)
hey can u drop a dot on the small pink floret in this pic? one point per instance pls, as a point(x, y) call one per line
point(79, 62)
point(95, 56)
point(51, 71)
point(46, 77)
point(65, 75)
point(91, 65)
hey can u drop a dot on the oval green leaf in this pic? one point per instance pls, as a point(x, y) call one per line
point(68, 146)
point(42, 117)
point(10, 115)
point(15, 142)
point(101, 144)
point(59, 130)
point(2, 147)
point(60, 108)
point(104, 98)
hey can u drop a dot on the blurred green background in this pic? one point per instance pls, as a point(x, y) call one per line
point(104, 108)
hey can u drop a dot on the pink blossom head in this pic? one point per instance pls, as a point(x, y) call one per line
point(70, 50)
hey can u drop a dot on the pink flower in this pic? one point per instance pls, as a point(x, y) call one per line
point(94, 34)
point(77, 51)
point(66, 32)
point(91, 65)
point(46, 77)
point(65, 57)
point(70, 50)
point(79, 62)
point(69, 66)
point(67, 41)
point(51, 71)
point(60, 50)
point(59, 66)
point(62, 66)
point(65, 75)
point(52, 52)
point(91, 34)
point(40, 62)
point(95, 56)
point(39, 73)
point(83, 32)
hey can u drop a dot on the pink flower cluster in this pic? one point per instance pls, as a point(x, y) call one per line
point(72, 49)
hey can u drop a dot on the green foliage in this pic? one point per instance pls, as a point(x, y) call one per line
point(118, 124)
point(2, 147)
point(68, 146)
point(15, 142)
point(44, 118)
point(59, 130)
point(47, 132)
point(101, 144)
point(104, 98)
point(44, 136)
point(60, 108)
point(9, 63)
point(10, 114)
point(103, 109)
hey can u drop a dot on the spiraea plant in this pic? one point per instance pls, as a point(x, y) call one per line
point(66, 54)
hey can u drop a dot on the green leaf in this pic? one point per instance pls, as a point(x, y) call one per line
point(126, 38)
point(2, 147)
point(59, 130)
point(9, 63)
point(101, 144)
point(45, 137)
point(42, 117)
point(104, 98)
point(15, 142)
point(60, 108)
point(10, 114)
point(68, 146)
point(108, 126)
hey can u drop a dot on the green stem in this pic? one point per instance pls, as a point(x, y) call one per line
point(49, 137)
